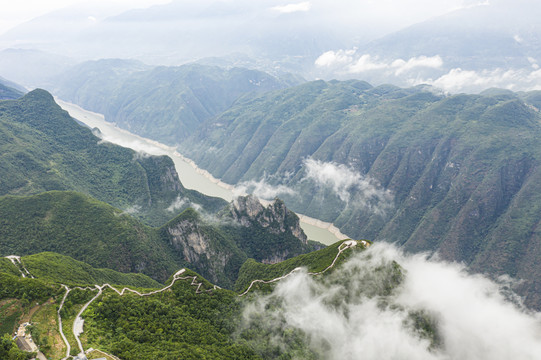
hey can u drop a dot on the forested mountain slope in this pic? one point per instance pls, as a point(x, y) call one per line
point(43, 148)
point(188, 318)
point(162, 103)
point(8, 91)
point(89, 230)
point(457, 174)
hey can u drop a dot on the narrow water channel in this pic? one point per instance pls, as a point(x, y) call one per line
point(190, 175)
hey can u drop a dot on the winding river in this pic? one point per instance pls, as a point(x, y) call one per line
point(190, 175)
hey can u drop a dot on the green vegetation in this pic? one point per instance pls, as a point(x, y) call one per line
point(10, 312)
point(10, 351)
point(267, 234)
point(26, 289)
point(42, 148)
point(177, 324)
point(8, 93)
point(315, 261)
point(6, 266)
point(85, 229)
point(63, 269)
point(463, 170)
point(45, 330)
point(166, 103)
point(88, 230)
point(191, 320)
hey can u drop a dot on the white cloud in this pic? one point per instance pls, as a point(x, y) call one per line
point(347, 314)
point(139, 146)
point(366, 63)
point(401, 66)
point(177, 204)
point(350, 186)
point(533, 62)
point(333, 58)
point(350, 62)
point(262, 189)
point(131, 210)
point(459, 80)
point(291, 8)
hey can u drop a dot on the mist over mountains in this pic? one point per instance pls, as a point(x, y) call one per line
point(489, 44)
point(413, 125)
point(464, 46)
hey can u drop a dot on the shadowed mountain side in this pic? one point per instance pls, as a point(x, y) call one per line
point(102, 236)
point(454, 174)
point(9, 90)
point(163, 103)
point(43, 148)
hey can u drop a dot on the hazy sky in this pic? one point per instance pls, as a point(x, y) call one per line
point(16, 12)
point(381, 12)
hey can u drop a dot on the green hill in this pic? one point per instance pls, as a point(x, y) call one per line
point(191, 320)
point(163, 103)
point(88, 230)
point(315, 261)
point(457, 174)
point(58, 268)
point(42, 148)
point(85, 229)
point(216, 248)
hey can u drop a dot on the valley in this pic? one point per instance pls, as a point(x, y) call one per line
point(261, 180)
point(189, 174)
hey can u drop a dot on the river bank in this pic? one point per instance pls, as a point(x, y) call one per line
point(191, 176)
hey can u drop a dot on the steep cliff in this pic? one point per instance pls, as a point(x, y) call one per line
point(454, 174)
point(217, 246)
point(270, 233)
point(204, 248)
point(42, 148)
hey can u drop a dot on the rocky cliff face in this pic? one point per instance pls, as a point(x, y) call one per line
point(245, 229)
point(204, 249)
point(268, 233)
point(462, 170)
point(275, 217)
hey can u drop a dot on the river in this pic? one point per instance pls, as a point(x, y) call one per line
point(190, 175)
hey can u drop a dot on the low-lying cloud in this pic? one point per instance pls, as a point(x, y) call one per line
point(178, 204)
point(132, 210)
point(364, 310)
point(291, 8)
point(460, 80)
point(262, 189)
point(429, 70)
point(349, 185)
point(350, 62)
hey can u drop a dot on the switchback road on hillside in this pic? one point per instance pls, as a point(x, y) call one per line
point(347, 244)
point(78, 323)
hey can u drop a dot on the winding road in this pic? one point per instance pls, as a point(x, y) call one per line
point(77, 328)
point(343, 246)
point(78, 323)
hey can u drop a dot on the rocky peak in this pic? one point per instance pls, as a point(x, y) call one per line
point(274, 217)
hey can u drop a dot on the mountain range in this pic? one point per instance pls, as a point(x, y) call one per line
point(412, 166)
point(419, 135)
point(58, 179)
point(452, 174)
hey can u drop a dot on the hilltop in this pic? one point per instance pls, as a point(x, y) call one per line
point(43, 148)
